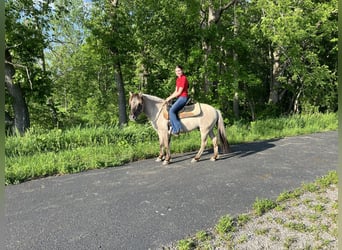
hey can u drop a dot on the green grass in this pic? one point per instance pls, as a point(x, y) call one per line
point(44, 153)
point(261, 206)
point(225, 225)
point(281, 127)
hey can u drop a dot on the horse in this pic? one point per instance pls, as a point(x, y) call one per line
point(153, 107)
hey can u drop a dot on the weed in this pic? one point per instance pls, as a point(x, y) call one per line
point(300, 227)
point(243, 219)
point(289, 195)
point(313, 217)
point(262, 206)
point(225, 225)
point(280, 208)
point(262, 231)
point(289, 241)
point(186, 244)
point(275, 238)
point(242, 239)
point(318, 208)
point(202, 236)
point(279, 221)
point(327, 180)
point(311, 187)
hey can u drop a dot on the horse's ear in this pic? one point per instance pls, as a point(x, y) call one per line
point(130, 93)
point(140, 94)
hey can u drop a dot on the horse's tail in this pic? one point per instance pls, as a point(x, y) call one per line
point(222, 134)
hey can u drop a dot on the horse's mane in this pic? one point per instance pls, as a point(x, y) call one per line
point(154, 98)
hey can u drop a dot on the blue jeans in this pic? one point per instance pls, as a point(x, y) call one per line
point(173, 112)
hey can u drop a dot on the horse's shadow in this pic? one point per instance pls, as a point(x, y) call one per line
point(238, 150)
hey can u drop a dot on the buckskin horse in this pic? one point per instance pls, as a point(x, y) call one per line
point(205, 119)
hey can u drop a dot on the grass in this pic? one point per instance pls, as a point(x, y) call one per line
point(261, 206)
point(298, 224)
point(44, 153)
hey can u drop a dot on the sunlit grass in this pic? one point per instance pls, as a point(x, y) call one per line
point(44, 153)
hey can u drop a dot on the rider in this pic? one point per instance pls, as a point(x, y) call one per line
point(181, 93)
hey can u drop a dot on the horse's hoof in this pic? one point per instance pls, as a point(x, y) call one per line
point(159, 159)
point(213, 159)
point(166, 162)
point(194, 160)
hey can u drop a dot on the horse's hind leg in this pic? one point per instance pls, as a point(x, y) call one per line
point(204, 137)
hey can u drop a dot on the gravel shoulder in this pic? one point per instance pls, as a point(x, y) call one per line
point(305, 218)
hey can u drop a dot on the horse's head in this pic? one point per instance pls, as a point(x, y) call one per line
point(136, 103)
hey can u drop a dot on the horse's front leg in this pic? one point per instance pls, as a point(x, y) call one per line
point(166, 140)
point(161, 156)
point(215, 145)
point(164, 152)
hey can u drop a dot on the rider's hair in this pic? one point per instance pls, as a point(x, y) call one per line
point(180, 67)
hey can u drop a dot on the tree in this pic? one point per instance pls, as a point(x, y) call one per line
point(248, 58)
point(110, 26)
point(21, 119)
point(295, 31)
point(27, 80)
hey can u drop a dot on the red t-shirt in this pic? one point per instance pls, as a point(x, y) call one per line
point(182, 82)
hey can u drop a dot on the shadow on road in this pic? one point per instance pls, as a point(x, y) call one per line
point(239, 150)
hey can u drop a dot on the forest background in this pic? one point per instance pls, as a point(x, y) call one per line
point(72, 62)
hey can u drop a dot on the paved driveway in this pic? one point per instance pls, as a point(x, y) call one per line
point(145, 205)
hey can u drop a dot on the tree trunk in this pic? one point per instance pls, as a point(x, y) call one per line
point(236, 108)
point(275, 84)
point(118, 72)
point(121, 94)
point(8, 123)
point(208, 20)
point(235, 59)
point(21, 113)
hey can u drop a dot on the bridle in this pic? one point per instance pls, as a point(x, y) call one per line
point(137, 110)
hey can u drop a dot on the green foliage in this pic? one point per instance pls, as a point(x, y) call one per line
point(186, 244)
point(330, 179)
point(298, 33)
point(225, 224)
point(202, 236)
point(72, 50)
point(35, 142)
point(289, 195)
point(243, 219)
point(261, 206)
point(300, 227)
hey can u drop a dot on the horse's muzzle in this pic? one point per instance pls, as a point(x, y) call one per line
point(132, 118)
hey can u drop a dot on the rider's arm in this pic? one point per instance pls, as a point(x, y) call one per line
point(175, 94)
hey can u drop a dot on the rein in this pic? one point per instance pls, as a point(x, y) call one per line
point(158, 114)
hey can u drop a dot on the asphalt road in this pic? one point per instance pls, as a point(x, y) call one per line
point(145, 205)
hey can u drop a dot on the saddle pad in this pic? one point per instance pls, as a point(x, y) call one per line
point(187, 111)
